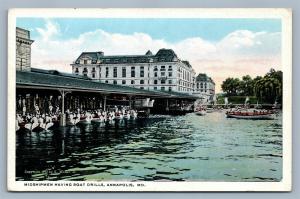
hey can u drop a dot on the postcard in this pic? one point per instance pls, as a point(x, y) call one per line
point(149, 100)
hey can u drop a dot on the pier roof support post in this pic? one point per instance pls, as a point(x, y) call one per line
point(62, 121)
point(167, 107)
point(130, 101)
point(104, 103)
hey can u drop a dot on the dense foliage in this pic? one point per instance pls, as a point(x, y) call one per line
point(266, 89)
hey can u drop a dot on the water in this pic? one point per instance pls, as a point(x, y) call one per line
point(166, 148)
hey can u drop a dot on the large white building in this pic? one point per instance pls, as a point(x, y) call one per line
point(163, 71)
point(204, 88)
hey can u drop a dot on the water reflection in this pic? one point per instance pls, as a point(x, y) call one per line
point(210, 148)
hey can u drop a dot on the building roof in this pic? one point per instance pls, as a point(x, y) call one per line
point(58, 73)
point(163, 55)
point(187, 63)
point(204, 77)
point(54, 80)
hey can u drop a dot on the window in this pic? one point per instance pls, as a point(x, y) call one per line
point(170, 81)
point(115, 82)
point(162, 68)
point(142, 73)
point(170, 89)
point(132, 81)
point(106, 81)
point(155, 74)
point(155, 88)
point(163, 73)
point(142, 88)
point(170, 68)
point(155, 68)
point(132, 71)
point(123, 71)
point(115, 72)
point(170, 74)
point(201, 85)
point(94, 69)
point(155, 81)
point(76, 70)
point(123, 81)
point(142, 81)
point(106, 72)
point(162, 88)
point(93, 75)
point(85, 61)
point(163, 81)
point(85, 70)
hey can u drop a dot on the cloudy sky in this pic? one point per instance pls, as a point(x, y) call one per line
point(219, 47)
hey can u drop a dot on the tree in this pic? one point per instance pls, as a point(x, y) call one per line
point(246, 86)
point(269, 88)
point(231, 86)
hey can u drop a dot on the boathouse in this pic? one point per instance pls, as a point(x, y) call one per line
point(53, 91)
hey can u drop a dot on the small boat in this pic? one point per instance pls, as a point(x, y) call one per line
point(36, 127)
point(98, 119)
point(200, 111)
point(251, 114)
point(49, 125)
point(86, 119)
point(26, 126)
point(210, 110)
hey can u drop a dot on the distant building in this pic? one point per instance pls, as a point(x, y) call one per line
point(23, 49)
point(163, 71)
point(204, 87)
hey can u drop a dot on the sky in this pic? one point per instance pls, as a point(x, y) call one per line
point(219, 47)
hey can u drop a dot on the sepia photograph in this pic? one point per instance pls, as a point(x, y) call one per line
point(149, 100)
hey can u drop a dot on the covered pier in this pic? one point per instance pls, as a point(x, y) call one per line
point(50, 92)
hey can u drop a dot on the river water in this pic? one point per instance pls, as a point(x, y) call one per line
point(164, 148)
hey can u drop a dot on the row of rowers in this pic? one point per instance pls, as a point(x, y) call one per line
point(39, 122)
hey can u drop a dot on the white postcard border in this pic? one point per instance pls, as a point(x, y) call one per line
point(284, 14)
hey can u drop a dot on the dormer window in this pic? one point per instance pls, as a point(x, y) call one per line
point(85, 61)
